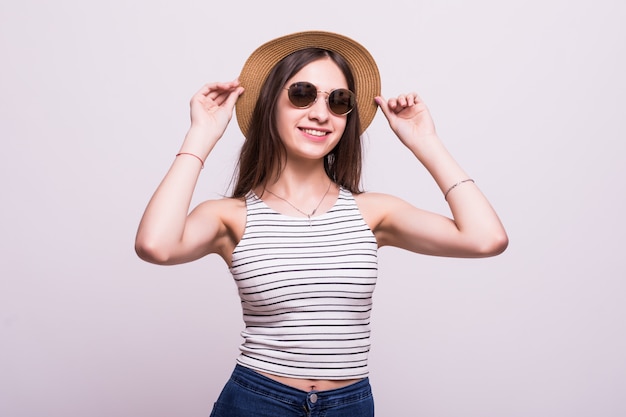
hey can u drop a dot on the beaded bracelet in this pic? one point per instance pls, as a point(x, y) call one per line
point(196, 156)
point(445, 195)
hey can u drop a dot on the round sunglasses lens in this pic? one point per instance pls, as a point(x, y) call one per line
point(341, 101)
point(302, 94)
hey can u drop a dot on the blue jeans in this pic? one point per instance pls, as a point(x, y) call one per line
point(250, 394)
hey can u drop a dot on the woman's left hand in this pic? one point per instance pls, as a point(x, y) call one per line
point(408, 117)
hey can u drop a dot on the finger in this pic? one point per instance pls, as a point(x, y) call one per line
point(389, 107)
point(228, 85)
point(222, 91)
point(408, 100)
point(393, 103)
point(231, 99)
point(201, 93)
point(383, 104)
point(217, 87)
point(206, 91)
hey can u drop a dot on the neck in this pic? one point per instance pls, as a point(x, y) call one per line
point(296, 191)
point(300, 180)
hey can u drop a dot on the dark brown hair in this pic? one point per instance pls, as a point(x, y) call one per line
point(263, 152)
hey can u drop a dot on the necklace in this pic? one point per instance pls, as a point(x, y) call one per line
point(308, 215)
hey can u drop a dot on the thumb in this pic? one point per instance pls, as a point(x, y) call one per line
point(233, 96)
point(382, 103)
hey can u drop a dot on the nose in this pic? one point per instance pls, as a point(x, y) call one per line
point(319, 109)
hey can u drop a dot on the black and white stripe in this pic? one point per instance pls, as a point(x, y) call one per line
point(306, 291)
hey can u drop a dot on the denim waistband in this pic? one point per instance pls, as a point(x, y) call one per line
point(262, 385)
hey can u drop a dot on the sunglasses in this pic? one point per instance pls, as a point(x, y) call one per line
point(303, 94)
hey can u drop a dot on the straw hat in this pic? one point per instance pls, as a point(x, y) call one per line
point(265, 57)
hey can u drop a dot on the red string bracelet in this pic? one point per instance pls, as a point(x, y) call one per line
point(195, 156)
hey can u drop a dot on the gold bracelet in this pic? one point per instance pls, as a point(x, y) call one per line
point(445, 195)
point(187, 153)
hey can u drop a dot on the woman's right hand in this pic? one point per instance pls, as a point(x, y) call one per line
point(167, 233)
point(212, 107)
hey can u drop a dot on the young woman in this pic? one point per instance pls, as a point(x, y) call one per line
point(299, 235)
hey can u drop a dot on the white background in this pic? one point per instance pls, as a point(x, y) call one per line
point(529, 96)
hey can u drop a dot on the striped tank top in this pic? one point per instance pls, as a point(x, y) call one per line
point(306, 291)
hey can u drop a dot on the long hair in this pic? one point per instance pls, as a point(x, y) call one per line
point(263, 153)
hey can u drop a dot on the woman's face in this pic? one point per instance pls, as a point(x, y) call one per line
point(312, 132)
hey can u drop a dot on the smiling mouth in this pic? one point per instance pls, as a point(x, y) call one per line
point(313, 132)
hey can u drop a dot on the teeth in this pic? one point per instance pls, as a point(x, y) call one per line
point(314, 132)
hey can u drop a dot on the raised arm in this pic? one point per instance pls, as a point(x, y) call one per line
point(168, 233)
point(474, 230)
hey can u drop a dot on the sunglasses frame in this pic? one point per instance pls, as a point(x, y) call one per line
point(328, 94)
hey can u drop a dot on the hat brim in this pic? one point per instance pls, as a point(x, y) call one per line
point(264, 58)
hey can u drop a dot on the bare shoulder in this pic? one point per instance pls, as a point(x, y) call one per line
point(375, 200)
point(223, 205)
point(375, 206)
point(231, 211)
point(228, 216)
